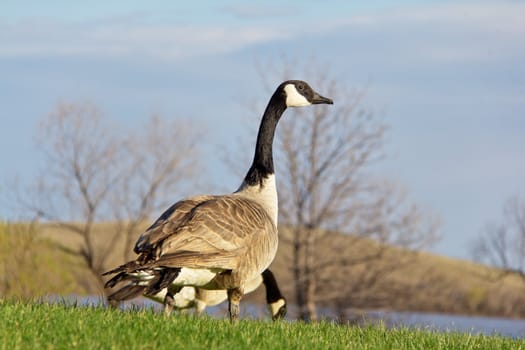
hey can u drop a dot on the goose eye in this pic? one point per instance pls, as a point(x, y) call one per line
point(300, 87)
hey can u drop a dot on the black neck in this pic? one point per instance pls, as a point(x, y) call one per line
point(262, 165)
point(273, 293)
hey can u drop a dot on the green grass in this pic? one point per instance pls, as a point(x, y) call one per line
point(44, 326)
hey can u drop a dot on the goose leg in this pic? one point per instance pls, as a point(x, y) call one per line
point(234, 299)
point(200, 306)
point(169, 300)
point(169, 303)
point(199, 302)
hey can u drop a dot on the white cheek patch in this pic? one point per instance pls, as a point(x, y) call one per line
point(276, 306)
point(294, 98)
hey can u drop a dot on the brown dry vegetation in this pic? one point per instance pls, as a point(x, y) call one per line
point(32, 265)
point(409, 281)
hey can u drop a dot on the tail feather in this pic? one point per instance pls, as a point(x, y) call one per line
point(150, 284)
point(162, 280)
point(127, 267)
point(127, 292)
point(116, 279)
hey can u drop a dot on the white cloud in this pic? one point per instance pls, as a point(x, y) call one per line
point(462, 31)
point(37, 38)
point(262, 10)
point(503, 16)
point(452, 31)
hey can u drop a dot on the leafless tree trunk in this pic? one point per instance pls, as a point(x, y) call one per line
point(503, 245)
point(96, 173)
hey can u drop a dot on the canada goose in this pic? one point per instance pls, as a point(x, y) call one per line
point(217, 242)
point(198, 298)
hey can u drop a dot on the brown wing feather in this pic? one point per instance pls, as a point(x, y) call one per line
point(167, 223)
point(217, 226)
point(195, 260)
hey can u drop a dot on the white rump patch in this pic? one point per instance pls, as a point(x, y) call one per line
point(194, 277)
point(294, 98)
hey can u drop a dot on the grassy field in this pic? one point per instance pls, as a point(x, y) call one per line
point(44, 326)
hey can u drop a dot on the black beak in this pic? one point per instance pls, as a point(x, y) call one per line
point(318, 99)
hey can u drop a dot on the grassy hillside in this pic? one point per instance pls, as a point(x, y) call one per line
point(418, 282)
point(41, 326)
point(31, 265)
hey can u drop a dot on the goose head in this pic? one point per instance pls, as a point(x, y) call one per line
point(278, 309)
point(298, 94)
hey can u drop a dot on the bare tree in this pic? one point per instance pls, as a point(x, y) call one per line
point(503, 245)
point(94, 174)
point(162, 158)
point(325, 186)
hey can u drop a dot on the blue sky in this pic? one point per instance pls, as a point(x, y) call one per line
point(447, 76)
